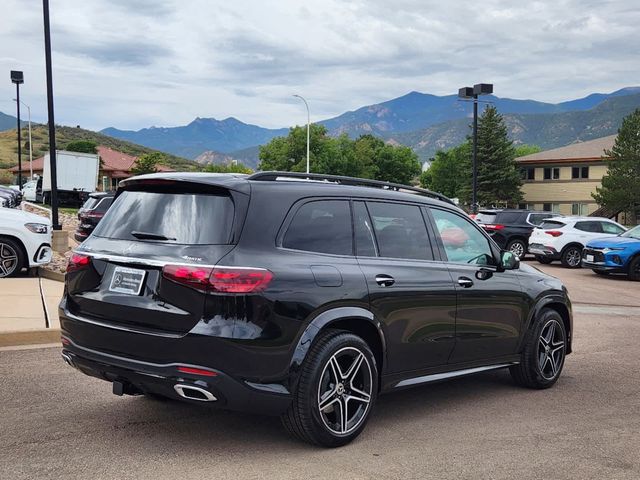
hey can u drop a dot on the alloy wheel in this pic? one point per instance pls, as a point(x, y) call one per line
point(573, 257)
point(8, 260)
point(517, 248)
point(551, 349)
point(344, 391)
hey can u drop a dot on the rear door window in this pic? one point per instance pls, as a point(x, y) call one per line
point(509, 218)
point(183, 218)
point(400, 231)
point(592, 227)
point(322, 226)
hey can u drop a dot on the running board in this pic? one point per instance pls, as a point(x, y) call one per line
point(447, 375)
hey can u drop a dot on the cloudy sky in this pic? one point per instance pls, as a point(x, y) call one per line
point(133, 64)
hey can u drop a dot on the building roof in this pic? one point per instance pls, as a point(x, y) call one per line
point(590, 150)
point(111, 161)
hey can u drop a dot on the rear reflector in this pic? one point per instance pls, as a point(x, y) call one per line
point(553, 233)
point(225, 280)
point(197, 371)
point(78, 261)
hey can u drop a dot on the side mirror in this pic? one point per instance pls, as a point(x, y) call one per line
point(509, 261)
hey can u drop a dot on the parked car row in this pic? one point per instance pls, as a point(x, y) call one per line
point(91, 213)
point(620, 254)
point(25, 241)
point(10, 197)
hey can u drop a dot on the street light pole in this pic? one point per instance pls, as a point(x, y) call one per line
point(52, 125)
point(308, 126)
point(473, 93)
point(30, 146)
point(17, 77)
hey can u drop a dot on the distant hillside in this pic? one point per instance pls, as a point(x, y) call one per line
point(64, 135)
point(546, 130)
point(201, 135)
point(8, 122)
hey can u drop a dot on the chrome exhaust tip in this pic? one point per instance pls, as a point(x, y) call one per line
point(67, 358)
point(191, 392)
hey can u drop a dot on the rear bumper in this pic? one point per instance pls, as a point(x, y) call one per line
point(140, 377)
point(544, 251)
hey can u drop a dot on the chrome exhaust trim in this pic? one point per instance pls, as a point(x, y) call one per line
point(67, 358)
point(191, 392)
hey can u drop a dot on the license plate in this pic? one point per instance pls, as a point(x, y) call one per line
point(127, 280)
point(589, 258)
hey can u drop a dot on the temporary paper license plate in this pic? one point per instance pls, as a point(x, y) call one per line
point(589, 258)
point(127, 280)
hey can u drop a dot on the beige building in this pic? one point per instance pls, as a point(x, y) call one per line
point(562, 179)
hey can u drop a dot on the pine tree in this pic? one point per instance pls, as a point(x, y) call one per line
point(620, 191)
point(499, 179)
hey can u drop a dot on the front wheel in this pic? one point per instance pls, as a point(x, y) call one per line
point(336, 391)
point(634, 269)
point(544, 351)
point(11, 258)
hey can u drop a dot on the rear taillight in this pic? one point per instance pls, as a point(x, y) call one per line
point(78, 261)
point(491, 226)
point(93, 215)
point(553, 233)
point(219, 279)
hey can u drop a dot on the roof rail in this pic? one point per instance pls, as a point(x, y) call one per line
point(352, 181)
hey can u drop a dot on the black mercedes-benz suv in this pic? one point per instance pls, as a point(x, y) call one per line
point(300, 295)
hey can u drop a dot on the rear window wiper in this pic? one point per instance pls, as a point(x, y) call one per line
point(150, 236)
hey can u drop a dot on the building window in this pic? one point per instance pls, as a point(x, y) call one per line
point(581, 209)
point(552, 173)
point(580, 172)
point(551, 207)
point(528, 173)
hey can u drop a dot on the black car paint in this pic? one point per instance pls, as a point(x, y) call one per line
point(423, 324)
point(514, 229)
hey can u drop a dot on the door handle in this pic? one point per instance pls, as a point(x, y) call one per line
point(465, 282)
point(385, 280)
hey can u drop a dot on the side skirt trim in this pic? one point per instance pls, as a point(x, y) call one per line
point(447, 375)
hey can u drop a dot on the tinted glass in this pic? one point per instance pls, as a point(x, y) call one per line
point(323, 226)
point(593, 227)
point(90, 203)
point(552, 224)
point(400, 231)
point(462, 241)
point(365, 243)
point(486, 217)
point(537, 218)
point(509, 217)
point(608, 227)
point(104, 204)
point(195, 219)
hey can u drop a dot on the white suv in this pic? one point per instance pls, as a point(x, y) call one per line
point(563, 238)
point(25, 241)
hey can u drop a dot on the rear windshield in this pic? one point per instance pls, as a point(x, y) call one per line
point(103, 204)
point(185, 218)
point(551, 224)
point(508, 217)
point(90, 203)
point(486, 217)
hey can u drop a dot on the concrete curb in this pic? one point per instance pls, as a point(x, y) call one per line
point(44, 273)
point(30, 337)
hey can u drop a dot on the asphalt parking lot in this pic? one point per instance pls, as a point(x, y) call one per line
point(57, 423)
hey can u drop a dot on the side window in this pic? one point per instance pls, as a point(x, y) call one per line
point(365, 242)
point(608, 227)
point(462, 241)
point(322, 226)
point(592, 227)
point(400, 231)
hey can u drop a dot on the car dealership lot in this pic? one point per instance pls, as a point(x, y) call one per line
point(58, 423)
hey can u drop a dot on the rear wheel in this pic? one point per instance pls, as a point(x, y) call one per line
point(544, 351)
point(634, 269)
point(518, 247)
point(336, 391)
point(11, 258)
point(543, 260)
point(571, 256)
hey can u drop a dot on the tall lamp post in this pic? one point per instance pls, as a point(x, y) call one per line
point(473, 93)
point(30, 146)
point(52, 125)
point(308, 126)
point(17, 77)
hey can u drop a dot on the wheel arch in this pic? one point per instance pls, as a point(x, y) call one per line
point(563, 309)
point(22, 247)
point(356, 320)
point(571, 244)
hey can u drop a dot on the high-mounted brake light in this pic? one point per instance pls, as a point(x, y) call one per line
point(78, 261)
point(219, 279)
point(553, 233)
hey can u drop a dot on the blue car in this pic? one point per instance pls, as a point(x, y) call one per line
point(619, 254)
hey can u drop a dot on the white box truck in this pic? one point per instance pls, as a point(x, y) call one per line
point(77, 175)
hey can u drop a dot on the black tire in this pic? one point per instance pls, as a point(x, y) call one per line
point(541, 361)
point(12, 257)
point(519, 247)
point(543, 260)
point(304, 419)
point(634, 269)
point(571, 256)
point(600, 272)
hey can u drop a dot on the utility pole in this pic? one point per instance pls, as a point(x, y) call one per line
point(308, 126)
point(17, 77)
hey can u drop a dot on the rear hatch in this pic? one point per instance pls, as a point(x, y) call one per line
point(127, 273)
point(543, 234)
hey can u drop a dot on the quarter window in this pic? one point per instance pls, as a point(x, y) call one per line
point(400, 231)
point(463, 242)
point(322, 226)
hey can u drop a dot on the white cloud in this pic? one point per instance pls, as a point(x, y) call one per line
point(133, 64)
